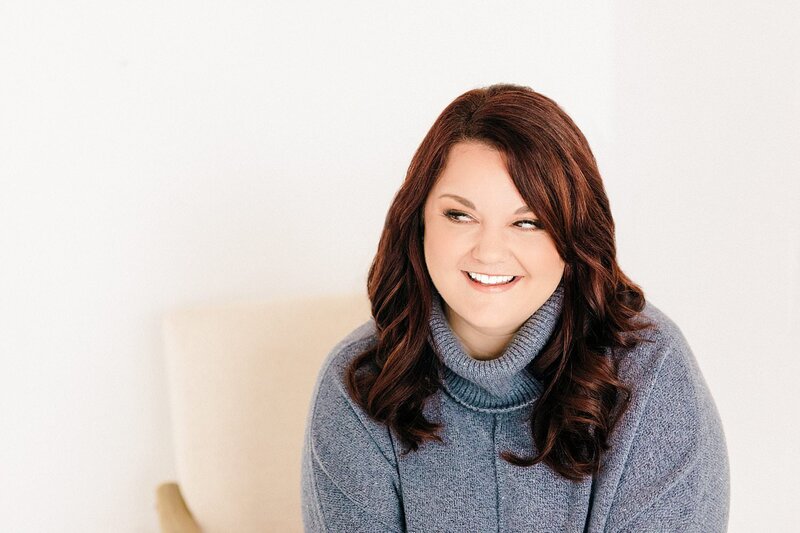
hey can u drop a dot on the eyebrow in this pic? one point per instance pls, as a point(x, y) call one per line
point(462, 200)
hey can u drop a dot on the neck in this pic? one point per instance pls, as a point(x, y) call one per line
point(480, 344)
point(500, 384)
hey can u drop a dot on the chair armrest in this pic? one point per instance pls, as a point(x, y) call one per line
point(173, 514)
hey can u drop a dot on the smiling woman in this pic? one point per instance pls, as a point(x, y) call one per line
point(512, 377)
point(495, 240)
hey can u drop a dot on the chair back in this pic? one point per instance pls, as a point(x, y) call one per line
point(240, 380)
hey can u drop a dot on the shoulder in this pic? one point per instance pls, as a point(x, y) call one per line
point(664, 331)
point(350, 473)
point(335, 420)
point(670, 399)
point(669, 443)
point(663, 347)
point(348, 348)
point(671, 404)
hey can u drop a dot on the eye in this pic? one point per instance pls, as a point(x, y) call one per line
point(455, 216)
point(534, 224)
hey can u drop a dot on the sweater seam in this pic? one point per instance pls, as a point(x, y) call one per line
point(399, 481)
point(314, 459)
point(496, 474)
point(342, 347)
point(684, 476)
point(360, 505)
point(635, 434)
point(347, 400)
point(317, 507)
point(694, 461)
point(491, 410)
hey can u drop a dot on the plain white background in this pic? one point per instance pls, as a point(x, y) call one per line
point(155, 154)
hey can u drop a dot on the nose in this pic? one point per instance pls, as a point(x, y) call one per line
point(490, 247)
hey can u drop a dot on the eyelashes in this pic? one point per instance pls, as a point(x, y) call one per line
point(453, 215)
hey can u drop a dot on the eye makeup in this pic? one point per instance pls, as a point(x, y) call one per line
point(454, 215)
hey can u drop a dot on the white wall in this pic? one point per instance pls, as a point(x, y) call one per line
point(705, 169)
point(154, 155)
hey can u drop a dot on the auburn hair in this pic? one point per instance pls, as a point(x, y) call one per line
point(555, 172)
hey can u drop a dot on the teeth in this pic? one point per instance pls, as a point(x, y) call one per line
point(490, 280)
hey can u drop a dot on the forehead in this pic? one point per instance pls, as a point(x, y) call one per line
point(472, 160)
point(478, 172)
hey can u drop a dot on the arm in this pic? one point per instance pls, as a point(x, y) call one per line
point(676, 475)
point(350, 480)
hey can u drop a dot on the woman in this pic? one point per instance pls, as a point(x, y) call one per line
point(512, 377)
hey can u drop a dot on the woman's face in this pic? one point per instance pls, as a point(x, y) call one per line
point(486, 228)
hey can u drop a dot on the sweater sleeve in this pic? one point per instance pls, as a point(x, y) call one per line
point(676, 475)
point(350, 480)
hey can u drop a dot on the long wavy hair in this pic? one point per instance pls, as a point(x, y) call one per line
point(555, 172)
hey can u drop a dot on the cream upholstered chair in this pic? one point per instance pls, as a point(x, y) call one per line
point(240, 380)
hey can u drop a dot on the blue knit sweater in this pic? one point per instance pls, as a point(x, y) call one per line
point(667, 469)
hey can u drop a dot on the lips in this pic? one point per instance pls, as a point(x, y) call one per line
point(500, 287)
point(493, 275)
point(485, 274)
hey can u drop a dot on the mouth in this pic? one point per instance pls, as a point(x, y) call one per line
point(493, 283)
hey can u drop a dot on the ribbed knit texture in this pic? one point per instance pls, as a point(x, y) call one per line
point(667, 469)
point(499, 384)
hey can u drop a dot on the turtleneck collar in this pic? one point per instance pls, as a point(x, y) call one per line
point(503, 383)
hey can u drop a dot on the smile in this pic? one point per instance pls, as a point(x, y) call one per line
point(490, 284)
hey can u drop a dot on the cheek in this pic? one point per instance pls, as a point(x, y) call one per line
point(552, 258)
point(431, 249)
point(543, 259)
point(440, 248)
